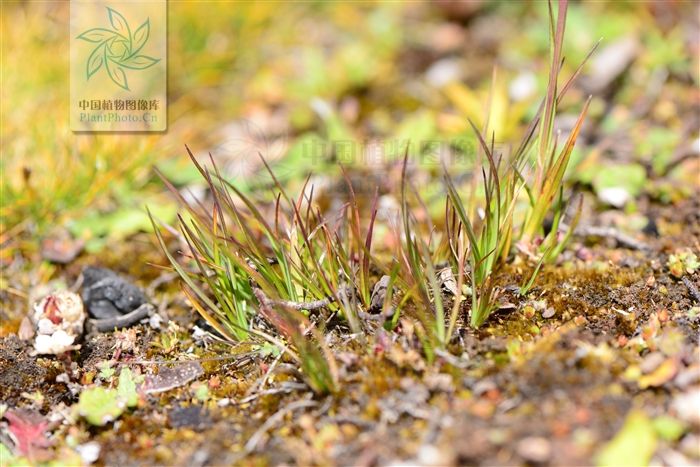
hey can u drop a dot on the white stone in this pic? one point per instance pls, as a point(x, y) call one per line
point(89, 452)
point(614, 196)
point(443, 72)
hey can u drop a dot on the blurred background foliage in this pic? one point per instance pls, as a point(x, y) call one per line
point(308, 84)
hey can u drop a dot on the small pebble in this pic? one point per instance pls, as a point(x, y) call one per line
point(439, 382)
point(614, 196)
point(60, 247)
point(429, 455)
point(534, 449)
point(155, 321)
point(610, 62)
point(548, 313)
point(225, 402)
point(63, 378)
point(26, 329)
point(89, 452)
point(443, 72)
point(192, 416)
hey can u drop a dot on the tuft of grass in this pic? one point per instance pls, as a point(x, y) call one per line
point(482, 242)
point(489, 221)
point(268, 270)
point(421, 278)
point(281, 264)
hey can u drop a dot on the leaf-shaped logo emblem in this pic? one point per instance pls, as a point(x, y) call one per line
point(118, 48)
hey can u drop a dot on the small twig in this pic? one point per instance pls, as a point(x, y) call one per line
point(180, 362)
point(312, 305)
point(691, 288)
point(123, 321)
point(382, 316)
point(325, 407)
point(609, 232)
point(247, 360)
point(330, 318)
point(78, 283)
point(260, 383)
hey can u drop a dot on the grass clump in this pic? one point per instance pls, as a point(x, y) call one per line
point(281, 264)
point(517, 194)
point(271, 270)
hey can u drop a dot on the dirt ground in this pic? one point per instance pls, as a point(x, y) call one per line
point(599, 364)
point(546, 381)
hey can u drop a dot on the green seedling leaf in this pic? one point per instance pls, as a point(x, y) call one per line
point(358, 63)
point(634, 444)
point(201, 393)
point(129, 220)
point(657, 145)
point(127, 388)
point(308, 153)
point(668, 428)
point(338, 134)
point(106, 370)
point(268, 349)
point(100, 406)
point(123, 222)
point(683, 262)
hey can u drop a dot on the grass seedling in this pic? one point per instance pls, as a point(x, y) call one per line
point(486, 237)
point(248, 267)
point(422, 281)
point(488, 222)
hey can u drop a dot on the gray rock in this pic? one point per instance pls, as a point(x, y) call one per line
point(108, 295)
